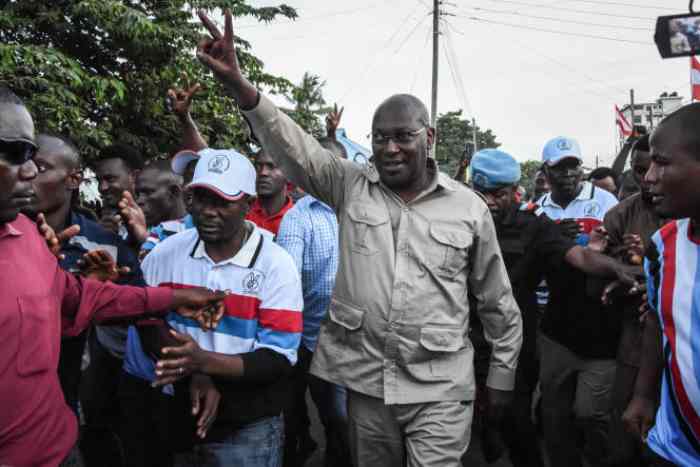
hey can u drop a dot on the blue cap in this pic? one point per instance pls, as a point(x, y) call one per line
point(492, 169)
point(560, 148)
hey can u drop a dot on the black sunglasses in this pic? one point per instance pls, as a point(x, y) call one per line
point(17, 152)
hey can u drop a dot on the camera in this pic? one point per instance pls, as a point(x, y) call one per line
point(678, 35)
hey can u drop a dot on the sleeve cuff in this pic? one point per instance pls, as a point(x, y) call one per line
point(503, 380)
point(159, 299)
point(261, 113)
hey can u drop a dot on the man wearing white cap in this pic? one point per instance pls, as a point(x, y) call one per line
point(579, 337)
point(252, 350)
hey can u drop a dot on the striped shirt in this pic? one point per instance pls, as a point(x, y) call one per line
point(673, 274)
point(263, 308)
point(165, 229)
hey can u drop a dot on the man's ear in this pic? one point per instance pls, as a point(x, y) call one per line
point(74, 179)
point(430, 136)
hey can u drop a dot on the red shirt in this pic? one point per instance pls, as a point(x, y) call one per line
point(259, 217)
point(38, 302)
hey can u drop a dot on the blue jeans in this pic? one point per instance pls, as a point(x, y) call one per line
point(258, 444)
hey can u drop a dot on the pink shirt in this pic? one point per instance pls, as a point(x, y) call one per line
point(38, 302)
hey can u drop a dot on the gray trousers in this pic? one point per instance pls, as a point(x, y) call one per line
point(431, 434)
point(576, 405)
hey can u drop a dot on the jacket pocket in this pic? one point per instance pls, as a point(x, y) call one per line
point(38, 337)
point(346, 316)
point(443, 354)
point(366, 221)
point(451, 248)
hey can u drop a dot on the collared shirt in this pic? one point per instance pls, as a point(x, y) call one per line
point(309, 232)
point(398, 319)
point(269, 222)
point(262, 321)
point(165, 229)
point(38, 301)
point(93, 236)
point(673, 276)
point(588, 208)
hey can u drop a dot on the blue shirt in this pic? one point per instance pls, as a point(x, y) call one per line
point(165, 229)
point(93, 236)
point(309, 232)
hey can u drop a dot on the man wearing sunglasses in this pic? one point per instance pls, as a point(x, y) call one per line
point(39, 301)
point(414, 244)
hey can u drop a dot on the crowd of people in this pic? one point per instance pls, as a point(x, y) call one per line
point(184, 322)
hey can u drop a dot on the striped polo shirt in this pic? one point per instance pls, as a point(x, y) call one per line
point(673, 273)
point(264, 302)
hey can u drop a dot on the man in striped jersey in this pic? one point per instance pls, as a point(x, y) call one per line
point(252, 350)
point(671, 353)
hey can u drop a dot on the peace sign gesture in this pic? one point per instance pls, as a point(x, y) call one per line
point(181, 99)
point(219, 55)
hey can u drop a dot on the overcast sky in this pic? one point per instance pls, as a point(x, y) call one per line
point(526, 85)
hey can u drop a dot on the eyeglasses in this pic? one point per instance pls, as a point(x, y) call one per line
point(17, 152)
point(399, 137)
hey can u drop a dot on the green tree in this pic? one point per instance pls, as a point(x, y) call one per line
point(528, 170)
point(453, 133)
point(99, 70)
point(309, 104)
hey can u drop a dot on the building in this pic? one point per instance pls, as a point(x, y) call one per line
point(650, 114)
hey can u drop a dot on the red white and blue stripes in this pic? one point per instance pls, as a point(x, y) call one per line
point(674, 291)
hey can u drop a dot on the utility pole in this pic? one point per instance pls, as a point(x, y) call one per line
point(436, 54)
point(632, 112)
point(476, 148)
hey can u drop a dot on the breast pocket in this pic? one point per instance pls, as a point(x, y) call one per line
point(366, 222)
point(39, 335)
point(450, 249)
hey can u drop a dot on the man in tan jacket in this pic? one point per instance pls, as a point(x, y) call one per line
point(414, 247)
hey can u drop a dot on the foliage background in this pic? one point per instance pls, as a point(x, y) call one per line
point(99, 70)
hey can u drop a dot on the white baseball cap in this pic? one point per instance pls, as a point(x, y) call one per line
point(180, 160)
point(560, 148)
point(226, 172)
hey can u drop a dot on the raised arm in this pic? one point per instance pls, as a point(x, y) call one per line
point(181, 101)
point(305, 162)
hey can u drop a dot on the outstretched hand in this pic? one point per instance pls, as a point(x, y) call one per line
point(99, 265)
point(218, 53)
point(55, 240)
point(200, 304)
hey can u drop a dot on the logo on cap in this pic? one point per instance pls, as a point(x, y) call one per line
point(480, 179)
point(563, 145)
point(219, 164)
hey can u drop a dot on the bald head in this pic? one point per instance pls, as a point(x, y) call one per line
point(60, 150)
point(159, 192)
point(405, 105)
point(683, 128)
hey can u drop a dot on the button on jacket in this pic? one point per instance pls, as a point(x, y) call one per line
point(397, 327)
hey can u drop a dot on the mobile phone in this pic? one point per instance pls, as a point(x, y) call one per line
point(678, 35)
point(169, 104)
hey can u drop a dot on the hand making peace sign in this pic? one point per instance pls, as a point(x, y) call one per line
point(219, 54)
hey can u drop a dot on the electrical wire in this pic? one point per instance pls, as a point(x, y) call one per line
point(572, 10)
point(418, 58)
point(387, 44)
point(631, 5)
point(303, 19)
point(553, 31)
point(453, 62)
point(560, 20)
point(410, 34)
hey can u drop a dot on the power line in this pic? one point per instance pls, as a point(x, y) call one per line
point(453, 62)
point(386, 45)
point(553, 31)
point(560, 20)
point(571, 10)
point(418, 57)
point(410, 34)
point(632, 5)
point(303, 19)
